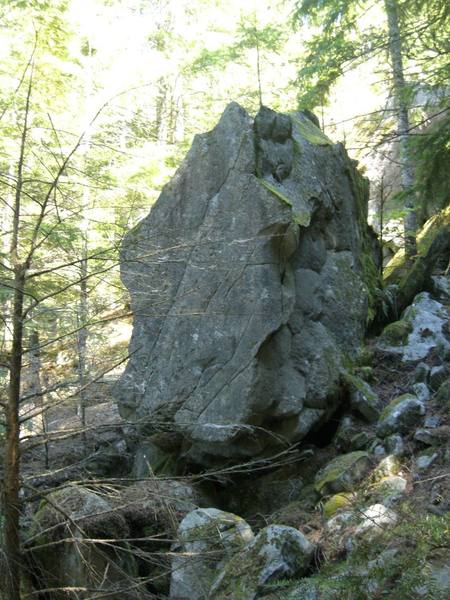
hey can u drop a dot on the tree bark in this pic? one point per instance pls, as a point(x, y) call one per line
point(82, 342)
point(401, 107)
point(11, 499)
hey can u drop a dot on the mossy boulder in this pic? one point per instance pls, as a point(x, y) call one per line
point(438, 375)
point(62, 553)
point(77, 509)
point(396, 334)
point(443, 394)
point(362, 398)
point(278, 552)
point(401, 415)
point(335, 503)
point(420, 329)
point(207, 537)
point(342, 473)
point(398, 265)
point(158, 504)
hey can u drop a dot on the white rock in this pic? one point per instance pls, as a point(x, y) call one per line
point(376, 517)
point(421, 391)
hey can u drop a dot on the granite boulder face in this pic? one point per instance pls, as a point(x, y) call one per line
point(248, 287)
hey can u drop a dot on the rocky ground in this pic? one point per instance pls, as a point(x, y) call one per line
point(359, 511)
point(272, 454)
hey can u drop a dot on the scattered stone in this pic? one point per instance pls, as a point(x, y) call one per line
point(388, 490)
point(441, 286)
point(421, 372)
point(376, 518)
point(341, 520)
point(379, 451)
point(342, 473)
point(421, 390)
point(277, 552)
point(395, 445)
point(335, 503)
point(438, 375)
point(401, 415)
point(388, 467)
point(361, 440)
point(443, 394)
point(362, 398)
point(425, 461)
point(429, 437)
point(206, 538)
point(418, 331)
point(432, 421)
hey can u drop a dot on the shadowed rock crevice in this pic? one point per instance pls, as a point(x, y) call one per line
point(247, 288)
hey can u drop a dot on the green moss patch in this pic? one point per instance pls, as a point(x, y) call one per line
point(311, 132)
point(302, 218)
point(396, 334)
point(342, 473)
point(335, 503)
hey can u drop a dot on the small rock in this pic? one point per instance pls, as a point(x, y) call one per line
point(421, 372)
point(348, 429)
point(335, 503)
point(421, 391)
point(340, 520)
point(379, 451)
point(342, 473)
point(389, 490)
point(426, 460)
point(438, 375)
point(443, 394)
point(376, 517)
point(401, 415)
point(388, 467)
point(432, 421)
point(362, 398)
point(429, 437)
point(360, 441)
point(441, 286)
point(395, 445)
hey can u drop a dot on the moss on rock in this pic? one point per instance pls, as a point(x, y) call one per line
point(277, 552)
point(342, 473)
point(335, 503)
point(309, 131)
point(401, 415)
point(396, 334)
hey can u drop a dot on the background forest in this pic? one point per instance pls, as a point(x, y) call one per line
point(99, 102)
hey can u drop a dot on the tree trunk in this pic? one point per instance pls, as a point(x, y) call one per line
point(11, 500)
point(35, 386)
point(82, 343)
point(401, 107)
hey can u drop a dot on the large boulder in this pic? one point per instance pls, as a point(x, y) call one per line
point(420, 329)
point(249, 283)
point(63, 552)
point(401, 415)
point(207, 537)
point(277, 552)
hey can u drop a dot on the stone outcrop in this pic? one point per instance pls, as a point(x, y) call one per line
point(249, 284)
